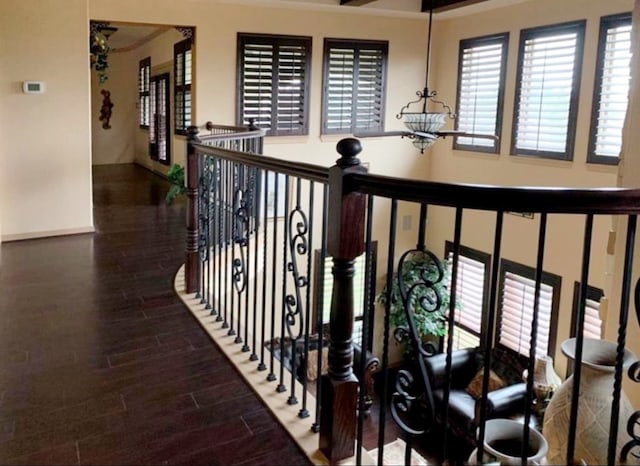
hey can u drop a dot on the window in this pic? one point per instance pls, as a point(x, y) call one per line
point(159, 127)
point(471, 295)
point(273, 83)
point(182, 62)
point(517, 291)
point(324, 287)
point(481, 75)
point(611, 89)
point(144, 73)
point(592, 320)
point(354, 86)
point(546, 102)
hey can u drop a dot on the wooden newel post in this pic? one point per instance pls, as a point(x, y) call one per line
point(345, 242)
point(192, 263)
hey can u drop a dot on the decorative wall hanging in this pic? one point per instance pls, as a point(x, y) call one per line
point(105, 110)
point(99, 34)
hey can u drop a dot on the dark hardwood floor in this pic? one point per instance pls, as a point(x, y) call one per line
point(100, 363)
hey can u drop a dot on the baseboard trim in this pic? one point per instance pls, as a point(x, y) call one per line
point(46, 234)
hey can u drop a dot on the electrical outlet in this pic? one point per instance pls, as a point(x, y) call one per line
point(406, 222)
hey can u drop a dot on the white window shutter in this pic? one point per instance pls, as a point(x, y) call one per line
point(517, 315)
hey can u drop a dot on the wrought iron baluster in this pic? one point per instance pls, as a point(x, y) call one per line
point(387, 323)
point(215, 181)
point(304, 412)
point(255, 205)
point(577, 367)
point(203, 222)
point(263, 324)
point(366, 319)
point(298, 232)
point(272, 376)
point(220, 236)
point(489, 334)
point(315, 427)
point(227, 234)
point(451, 323)
point(240, 243)
point(281, 386)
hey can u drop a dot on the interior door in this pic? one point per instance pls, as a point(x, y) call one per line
point(159, 127)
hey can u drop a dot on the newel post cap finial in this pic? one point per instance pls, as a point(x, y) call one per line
point(192, 133)
point(348, 148)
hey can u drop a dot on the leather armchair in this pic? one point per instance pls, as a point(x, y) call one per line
point(464, 410)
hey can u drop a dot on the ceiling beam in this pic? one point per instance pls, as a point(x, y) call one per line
point(444, 5)
point(355, 2)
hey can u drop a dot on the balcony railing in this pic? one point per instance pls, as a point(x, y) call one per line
point(260, 234)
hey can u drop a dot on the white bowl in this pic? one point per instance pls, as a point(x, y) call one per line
point(424, 122)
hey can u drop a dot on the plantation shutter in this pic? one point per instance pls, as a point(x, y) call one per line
point(517, 315)
point(369, 90)
point(274, 83)
point(291, 89)
point(613, 88)
point(592, 321)
point(257, 96)
point(340, 90)
point(187, 88)
point(354, 86)
point(182, 85)
point(144, 74)
point(480, 89)
point(547, 100)
point(469, 301)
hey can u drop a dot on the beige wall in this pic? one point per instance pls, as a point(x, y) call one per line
point(160, 50)
point(215, 69)
point(629, 178)
point(565, 234)
point(117, 144)
point(45, 159)
point(126, 142)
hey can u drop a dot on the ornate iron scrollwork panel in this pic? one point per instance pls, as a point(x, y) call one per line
point(299, 249)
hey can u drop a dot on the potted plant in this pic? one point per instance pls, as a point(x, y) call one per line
point(424, 280)
point(175, 175)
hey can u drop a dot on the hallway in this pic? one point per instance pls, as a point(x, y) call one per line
point(100, 362)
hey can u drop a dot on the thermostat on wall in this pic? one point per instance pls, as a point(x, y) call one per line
point(33, 87)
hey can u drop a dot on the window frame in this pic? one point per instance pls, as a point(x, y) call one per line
point(485, 259)
point(594, 294)
point(606, 23)
point(276, 41)
point(356, 45)
point(155, 135)
point(144, 78)
point(503, 39)
point(180, 121)
point(548, 278)
point(536, 33)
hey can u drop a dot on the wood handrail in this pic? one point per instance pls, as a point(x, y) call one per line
point(306, 171)
point(349, 184)
point(614, 201)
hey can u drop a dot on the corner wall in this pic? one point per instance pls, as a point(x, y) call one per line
point(45, 158)
point(564, 233)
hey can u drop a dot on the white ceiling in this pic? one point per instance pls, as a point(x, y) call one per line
point(130, 36)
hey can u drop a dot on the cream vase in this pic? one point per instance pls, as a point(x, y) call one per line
point(594, 406)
